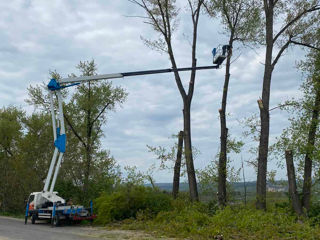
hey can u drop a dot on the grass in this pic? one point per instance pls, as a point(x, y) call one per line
point(14, 215)
point(230, 223)
point(184, 219)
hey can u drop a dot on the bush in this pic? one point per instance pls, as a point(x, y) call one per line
point(238, 222)
point(128, 201)
point(314, 214)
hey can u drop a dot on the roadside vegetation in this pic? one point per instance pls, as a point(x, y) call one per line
point(155, 211)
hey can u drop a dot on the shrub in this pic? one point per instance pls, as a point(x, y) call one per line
point(238, 222)
point(129, 200)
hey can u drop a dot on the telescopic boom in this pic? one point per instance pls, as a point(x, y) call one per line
point(219, 54)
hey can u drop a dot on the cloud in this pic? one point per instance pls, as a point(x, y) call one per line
point(37, 36)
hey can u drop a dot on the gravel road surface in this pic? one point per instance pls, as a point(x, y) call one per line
point(15, 229)
point(11, 228)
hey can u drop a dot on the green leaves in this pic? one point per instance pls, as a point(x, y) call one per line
point(25, 151)
point(26, 143)
point(241, 18)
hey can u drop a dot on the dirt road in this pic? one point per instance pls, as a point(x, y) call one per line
point(12, 228)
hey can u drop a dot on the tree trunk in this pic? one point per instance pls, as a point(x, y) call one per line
point(222, 168)
point(88, 145)
point(244, 184)
point(292, 183)
point(177, 166)
point(193, 189)
point(186, 97)
point(307, 180)
point(264, 114)
point(87, 171)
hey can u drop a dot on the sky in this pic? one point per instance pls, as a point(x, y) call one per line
point(38, 36)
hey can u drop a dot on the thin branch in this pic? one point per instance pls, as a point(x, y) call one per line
point(101, 112)
point(207, 9)
point(281, 105)
point(194, 43)
point(305, 45)
point(168, 21)
point(192, 12)
point(163, 18)
point(284, 47)
point(238, 11)
point(225, 11)
point(135, 16)
point(314, 8)
point(144, 6)
point(136, 2)
point(74, 131)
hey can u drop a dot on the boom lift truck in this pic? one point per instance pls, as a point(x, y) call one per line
point(47, 204)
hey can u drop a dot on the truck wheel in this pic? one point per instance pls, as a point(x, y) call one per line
point(33, 218)
point(56, 221)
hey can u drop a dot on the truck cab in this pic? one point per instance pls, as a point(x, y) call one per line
point(43, 199)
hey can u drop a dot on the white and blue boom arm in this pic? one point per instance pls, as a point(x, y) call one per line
point(59, 132)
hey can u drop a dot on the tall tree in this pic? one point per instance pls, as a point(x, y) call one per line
point(162, 16)
point(241, 21)
point(11, 131)
point(300, 18)
point(25, 150)
point(90, 103)
point(314, 67)
point(302, 135)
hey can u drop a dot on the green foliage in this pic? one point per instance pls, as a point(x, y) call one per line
point(301, 118)
point(67, 190)
point(26, 144)
point(314, 214)
point(208, 177)
point(241, 18)
point(85, 112)
point(168, 156)
point(192, 221)
point(24, 153)
point(163, 17)
point(128, 200)
point(134, 176)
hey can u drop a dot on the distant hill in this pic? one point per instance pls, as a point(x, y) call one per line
point(277, 186)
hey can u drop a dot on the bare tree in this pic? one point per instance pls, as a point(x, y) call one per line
point(300, 18)
point(241, 20)
point(162, 16)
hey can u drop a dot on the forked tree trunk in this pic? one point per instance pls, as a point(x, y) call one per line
point(159, 15)
point(177, 167)
point(292, 183)
point(307, 180)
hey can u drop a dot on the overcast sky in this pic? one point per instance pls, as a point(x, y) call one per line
point(38, 36)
